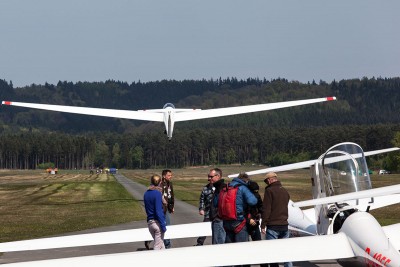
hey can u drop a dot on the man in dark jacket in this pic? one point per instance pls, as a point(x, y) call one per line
point(217, 227)
point(205, 201)
point(254, 213)
point(168, 194)
point(275, 211)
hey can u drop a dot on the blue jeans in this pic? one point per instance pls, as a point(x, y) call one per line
point(232, 237)
point(218, 232)
point(167, 242)
point(272, 234)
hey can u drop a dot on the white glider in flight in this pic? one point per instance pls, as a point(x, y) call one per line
point(169, 114)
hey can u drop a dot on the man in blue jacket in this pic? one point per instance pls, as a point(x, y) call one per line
point(153, 203)
point(236, 230)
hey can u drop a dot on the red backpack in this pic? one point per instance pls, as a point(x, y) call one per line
point(227, 202)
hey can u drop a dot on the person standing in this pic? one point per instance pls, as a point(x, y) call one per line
point(168, 194)
point(254, 213)
point(275, 212)
point(204, 206)
point(155, 215)
point(236, 230)
point(217, 226)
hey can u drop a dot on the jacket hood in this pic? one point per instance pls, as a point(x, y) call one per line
point(238, 181)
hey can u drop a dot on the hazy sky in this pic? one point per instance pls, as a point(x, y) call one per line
point(128, 40)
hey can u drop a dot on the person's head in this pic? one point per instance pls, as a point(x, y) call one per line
point(253, 186)
point(214, 175)
point(167, 174)
point(243, 176)
point(155, 180)
point(270, 178)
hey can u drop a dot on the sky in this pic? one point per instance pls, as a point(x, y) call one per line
point(128, 40)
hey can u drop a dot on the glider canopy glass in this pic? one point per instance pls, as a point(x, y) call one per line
point(345, 169)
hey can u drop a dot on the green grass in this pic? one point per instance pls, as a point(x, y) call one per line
point(390, 214)
point(35, 205)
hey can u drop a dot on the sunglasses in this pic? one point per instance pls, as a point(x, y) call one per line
point(212, 176)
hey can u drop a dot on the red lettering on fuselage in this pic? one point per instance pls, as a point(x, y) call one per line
point(378, 257)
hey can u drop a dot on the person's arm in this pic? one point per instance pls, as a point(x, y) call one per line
point(202, 202)
point(172, 198)
point(250, 199)
point(266, 210)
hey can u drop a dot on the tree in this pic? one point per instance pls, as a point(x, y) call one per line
point(394, 158)
point(230, 156)
point(137, 156)
point(101, 156)
point(116, 155)
point(213, 156)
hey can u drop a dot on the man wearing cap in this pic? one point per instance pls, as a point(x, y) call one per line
point(275, 211)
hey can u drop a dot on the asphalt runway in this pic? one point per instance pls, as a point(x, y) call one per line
point(184, 213)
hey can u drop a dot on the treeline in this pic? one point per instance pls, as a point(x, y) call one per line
point(268, 146)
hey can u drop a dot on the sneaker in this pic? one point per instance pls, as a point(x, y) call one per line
point(147, 244)
point(198, 244)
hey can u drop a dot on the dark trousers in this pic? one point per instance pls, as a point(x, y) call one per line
point(201, 239)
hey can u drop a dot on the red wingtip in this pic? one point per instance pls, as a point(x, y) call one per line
point(6, 102)
point(330, 98)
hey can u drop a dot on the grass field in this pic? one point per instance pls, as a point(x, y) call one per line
point(35, 204)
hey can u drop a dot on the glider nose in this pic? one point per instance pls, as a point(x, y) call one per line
point(367, 234)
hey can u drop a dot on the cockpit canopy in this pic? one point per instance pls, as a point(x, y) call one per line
point(169, 105)
point(343, 169)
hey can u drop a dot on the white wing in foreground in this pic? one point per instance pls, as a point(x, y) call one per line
point(280, 250)
point(220, 112)
point(112, 113)
point(112, 237)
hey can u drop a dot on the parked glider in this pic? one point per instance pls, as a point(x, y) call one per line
point(342, 197)
point(338, 227)
point(169, 114)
